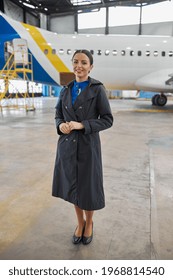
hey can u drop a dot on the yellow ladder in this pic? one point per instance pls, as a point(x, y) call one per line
point(12, 71)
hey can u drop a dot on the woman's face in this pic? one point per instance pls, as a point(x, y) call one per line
point(81, 67)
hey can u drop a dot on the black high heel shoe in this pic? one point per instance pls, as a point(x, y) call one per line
point(87, 240)
point(78, 239)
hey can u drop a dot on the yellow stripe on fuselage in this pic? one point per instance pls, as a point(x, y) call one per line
point(41, 42)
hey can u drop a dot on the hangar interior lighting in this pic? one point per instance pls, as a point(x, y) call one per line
point(29, 5)
point(84, 2)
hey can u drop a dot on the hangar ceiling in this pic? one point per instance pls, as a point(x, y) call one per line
point(61, 7)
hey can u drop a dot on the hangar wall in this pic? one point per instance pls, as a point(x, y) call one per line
point(63, 24)
point(16, 13)
point(163, 28)
point(66, 24)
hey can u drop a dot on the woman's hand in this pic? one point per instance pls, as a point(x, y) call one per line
point(67, 127)
point(75, 125)
point(64, 128)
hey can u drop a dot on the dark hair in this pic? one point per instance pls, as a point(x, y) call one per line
point(87, 53)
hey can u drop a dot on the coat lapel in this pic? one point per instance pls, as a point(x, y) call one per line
point(67, 100)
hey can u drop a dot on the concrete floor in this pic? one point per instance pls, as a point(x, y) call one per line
point(137, 221)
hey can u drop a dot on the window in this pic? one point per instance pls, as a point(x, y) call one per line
point(161, 12)
point(132, 53)
point(92, 52)
point(155, 53)
point(163, 53)
point(61, 51)
point(147, 53)
point(69, 51)
point(53, 51)
point(46, 51)
point(170, 53)
point(99, 52)
point(139, 53)
point(107, 52)
point(119, 16)
point(114, 52)
point(123, 52)
point(88, 20)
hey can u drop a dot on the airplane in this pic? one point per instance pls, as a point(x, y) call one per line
point(121, 62)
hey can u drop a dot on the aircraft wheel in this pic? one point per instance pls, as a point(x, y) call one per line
point(161, 100)
point(154, 99)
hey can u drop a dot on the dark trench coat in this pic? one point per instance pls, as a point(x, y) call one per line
point(78, 176)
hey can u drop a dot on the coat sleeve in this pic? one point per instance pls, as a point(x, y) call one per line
point(105, 118)
point(58, 113)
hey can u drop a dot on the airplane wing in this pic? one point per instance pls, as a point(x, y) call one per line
point(170, 80)
point(161, 81)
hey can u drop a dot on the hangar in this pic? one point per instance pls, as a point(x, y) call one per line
point(47, 14)
point(137, 158)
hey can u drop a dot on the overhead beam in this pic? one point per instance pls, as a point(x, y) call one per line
point(67, 8)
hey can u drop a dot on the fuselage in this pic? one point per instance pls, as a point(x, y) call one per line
point(120, 62)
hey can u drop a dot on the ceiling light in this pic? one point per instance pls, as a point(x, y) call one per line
point(84, 2)
point(29, 5)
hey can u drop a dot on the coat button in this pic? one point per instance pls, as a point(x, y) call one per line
point(80, 107)
point(74, 140)
point(66, 107)
point(66, 139)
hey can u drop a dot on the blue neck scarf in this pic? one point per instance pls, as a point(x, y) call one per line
point(77, 88)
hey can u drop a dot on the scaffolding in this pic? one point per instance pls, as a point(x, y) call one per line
point(17, 69)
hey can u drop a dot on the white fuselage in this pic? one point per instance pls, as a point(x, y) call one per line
point(120, 61)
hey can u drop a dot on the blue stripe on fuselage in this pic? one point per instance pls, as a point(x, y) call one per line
point(8, 33)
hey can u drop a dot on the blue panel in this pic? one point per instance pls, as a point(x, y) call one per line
point(147, 94)
point(45, 90)
point(7, 33)
point(56, 91)
point(6, 28)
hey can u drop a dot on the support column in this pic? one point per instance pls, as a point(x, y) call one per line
point(107, 21)
point(2, 6)
point(76, 23)
point(140, 21)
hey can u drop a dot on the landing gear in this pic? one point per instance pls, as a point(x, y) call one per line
point(159, 99)
point(153, 100)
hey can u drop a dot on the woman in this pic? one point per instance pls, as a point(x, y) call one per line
point(81, 112)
